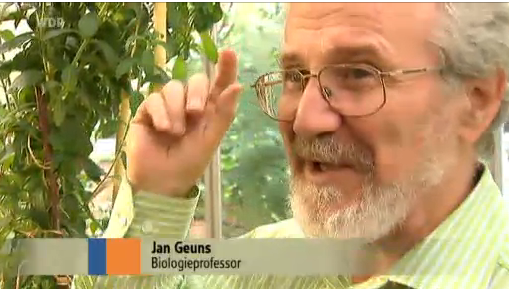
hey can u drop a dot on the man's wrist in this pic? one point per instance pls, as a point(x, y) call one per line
point(186, 194)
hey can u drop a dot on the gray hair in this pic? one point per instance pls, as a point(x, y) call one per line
point(474, 38)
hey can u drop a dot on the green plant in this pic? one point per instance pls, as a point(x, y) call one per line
point(65, 93)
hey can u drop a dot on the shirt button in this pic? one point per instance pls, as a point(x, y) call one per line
point(147, 227)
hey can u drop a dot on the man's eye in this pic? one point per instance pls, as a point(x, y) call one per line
point(357, 73)
point(350, 73)
point(292, 76)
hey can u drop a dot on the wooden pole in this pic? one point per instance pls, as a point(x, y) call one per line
point(160, 28)
point(122, 130)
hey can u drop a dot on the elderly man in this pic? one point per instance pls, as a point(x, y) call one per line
point(385, 111)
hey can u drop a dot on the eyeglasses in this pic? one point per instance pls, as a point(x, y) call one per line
point(354, 90)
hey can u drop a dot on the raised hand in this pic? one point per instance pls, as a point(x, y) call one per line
point(176, 131)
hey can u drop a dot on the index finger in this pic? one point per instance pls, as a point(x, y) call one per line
point(226, 73)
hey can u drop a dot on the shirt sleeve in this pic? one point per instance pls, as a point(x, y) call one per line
point(162, 217)
point(147, 215)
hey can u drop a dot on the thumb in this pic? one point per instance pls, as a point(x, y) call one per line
point(223, 114)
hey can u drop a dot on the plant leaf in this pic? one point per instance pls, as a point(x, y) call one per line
point(7, 156)
point(147, 58)
point(94, 226)
point(7, 35)
point(123, 156)
point(59, 112)
point(17, 19)
point(40, 217)
point(209, 47)
point(217, 12)
point(109, 54)
point(158, 77)
point(70, 77)
point(32, 21)
point(135, 101)
point(88, 24)
point(131, 40)
point(179, 70)
point(15, 42)
point(93, 171)
point(52, 88)
point(26, 78)
point(124, 67)
point(108, 128)
point(57, 32)
point(71, 42)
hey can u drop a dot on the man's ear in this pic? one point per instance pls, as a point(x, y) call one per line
point(484, 97)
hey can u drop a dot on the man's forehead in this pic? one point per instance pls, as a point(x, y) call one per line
point(357, 28)
point(292, 57)
point(379, 10)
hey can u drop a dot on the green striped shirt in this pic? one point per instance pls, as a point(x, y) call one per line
point(470, 249)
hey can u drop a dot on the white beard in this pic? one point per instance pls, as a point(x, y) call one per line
point(380, 210)
point(382, 207)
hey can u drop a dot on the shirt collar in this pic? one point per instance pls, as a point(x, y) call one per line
point(462, 252)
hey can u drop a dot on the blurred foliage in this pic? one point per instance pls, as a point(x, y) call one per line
point(254, 166)
point(63, 90)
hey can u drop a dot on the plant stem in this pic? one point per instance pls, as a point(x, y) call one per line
point(121, 133)
point(50, 175)
point(83, 45)
point(122, 127)
point(117, 156)
point(135, 37)
point(5, 85)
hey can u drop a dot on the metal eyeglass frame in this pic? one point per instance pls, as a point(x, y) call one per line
point(381, 76)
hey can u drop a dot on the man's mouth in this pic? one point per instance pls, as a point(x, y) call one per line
point(324, 166)
point(323, 173)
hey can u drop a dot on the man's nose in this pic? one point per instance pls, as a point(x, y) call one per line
point(314, 116)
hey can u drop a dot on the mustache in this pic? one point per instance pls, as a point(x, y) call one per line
point(327, 149)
